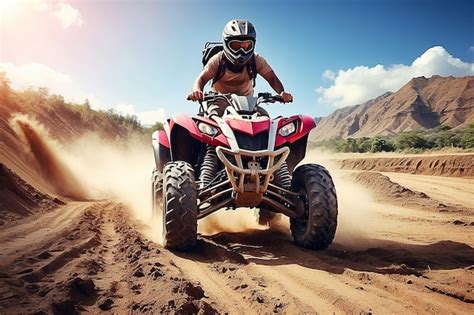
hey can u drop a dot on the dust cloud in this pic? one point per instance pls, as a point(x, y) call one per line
point(92, 167)
point(119, 170)
point(43, 149)
point(356, 218)
point(239, 220)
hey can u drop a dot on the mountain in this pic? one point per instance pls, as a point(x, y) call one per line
point(420, 104)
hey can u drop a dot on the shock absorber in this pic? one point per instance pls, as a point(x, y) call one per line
point(283, 177)
point(209, 166)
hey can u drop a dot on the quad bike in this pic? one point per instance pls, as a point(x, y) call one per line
point(208, 162)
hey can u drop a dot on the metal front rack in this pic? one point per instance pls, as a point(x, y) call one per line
point(251, 177)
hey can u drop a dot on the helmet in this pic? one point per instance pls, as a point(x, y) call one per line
point(239, 39)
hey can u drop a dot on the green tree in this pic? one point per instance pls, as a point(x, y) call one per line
point(157, 126)
point(412, 140)
point(349, 145)
point(445, 138)
point(364, 144)
point(380, 144)
point(467, 137)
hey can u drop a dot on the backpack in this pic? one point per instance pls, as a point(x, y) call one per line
point(213, 48)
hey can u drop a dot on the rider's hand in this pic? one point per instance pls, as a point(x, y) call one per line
point(196, 96)
point(287, 97)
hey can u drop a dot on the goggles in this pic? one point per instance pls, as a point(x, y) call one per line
point(245, 45)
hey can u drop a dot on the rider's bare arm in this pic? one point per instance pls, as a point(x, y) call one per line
point(199, 84)
point(276, 84)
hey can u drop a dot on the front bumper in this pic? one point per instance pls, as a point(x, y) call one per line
point(252, 178)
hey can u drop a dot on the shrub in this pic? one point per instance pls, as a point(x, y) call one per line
point(467, 137)
point(380, 144)
point(348, 145)
point(409, 140)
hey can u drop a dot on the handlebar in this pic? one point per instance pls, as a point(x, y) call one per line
point(265, 97)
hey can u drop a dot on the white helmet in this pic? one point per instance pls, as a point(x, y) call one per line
point(239, 39)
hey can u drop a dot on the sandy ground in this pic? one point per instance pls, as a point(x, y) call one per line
point(404, 244)
point(92, 256)
point(454, 190)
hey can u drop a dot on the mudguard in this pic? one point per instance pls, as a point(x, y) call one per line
point(304, 126)
point(297, 141)
point(161, 149)
point(190, 124)
point(187, 141)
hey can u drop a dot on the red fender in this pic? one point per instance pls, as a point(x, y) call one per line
point(304, 125)
point(163, 138)
point(189, 124)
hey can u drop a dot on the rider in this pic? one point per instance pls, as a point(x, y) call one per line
point(239, 38)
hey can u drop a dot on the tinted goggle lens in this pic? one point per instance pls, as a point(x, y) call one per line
point(245, 45)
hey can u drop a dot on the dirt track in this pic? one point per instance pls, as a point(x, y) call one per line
point(404, 242)
point(390, 256)
point(439, 165)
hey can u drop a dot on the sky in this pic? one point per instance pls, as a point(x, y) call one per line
point(142, 57)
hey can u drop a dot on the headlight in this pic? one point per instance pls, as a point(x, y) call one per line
point(207, 129)
point(287, 129)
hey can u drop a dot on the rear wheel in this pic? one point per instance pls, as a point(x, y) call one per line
point(179, 206)
point(317, 227)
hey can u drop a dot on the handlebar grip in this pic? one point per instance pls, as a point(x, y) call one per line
point(278, 98)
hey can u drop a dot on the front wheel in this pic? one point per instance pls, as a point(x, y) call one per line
point(179, 206)
point(317, 227)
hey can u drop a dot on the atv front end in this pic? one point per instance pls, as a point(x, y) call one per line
point(211, 163)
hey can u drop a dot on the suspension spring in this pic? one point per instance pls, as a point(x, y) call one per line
point(209, 166)
point(283, 177)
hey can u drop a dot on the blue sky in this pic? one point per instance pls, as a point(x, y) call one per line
point(145, 55)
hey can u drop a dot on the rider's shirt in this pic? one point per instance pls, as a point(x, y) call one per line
point(237, 83)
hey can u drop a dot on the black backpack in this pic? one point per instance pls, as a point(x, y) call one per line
point(212, 48)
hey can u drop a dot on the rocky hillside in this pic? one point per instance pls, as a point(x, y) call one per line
point(421, 104)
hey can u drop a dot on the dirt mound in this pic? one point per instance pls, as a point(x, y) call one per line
point(442, 165)
point(383, 184)
point(26, 149)
point(49, 164)
point(388, 191)
point(18, 199)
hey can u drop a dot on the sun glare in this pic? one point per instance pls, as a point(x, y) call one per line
point(6, 4)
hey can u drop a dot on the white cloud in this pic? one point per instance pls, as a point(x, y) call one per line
point(362, 83)
point(146, 118)
point(38, 75)
point(68, 16)
point(328, 74)
point(35, 75)
point(64, 12)
point(151, 117)
point(39, 5)
point(471, 48)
